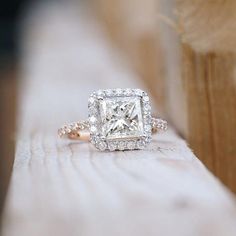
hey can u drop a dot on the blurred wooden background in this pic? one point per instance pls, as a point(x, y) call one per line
point(9, 36)
point(185, 52)
point(60, 187)
point(8, 93)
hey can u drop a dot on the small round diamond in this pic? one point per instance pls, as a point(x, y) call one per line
point(68, 130)
point(148, 118)
point(101, 145)
point(99, 92)
point(91, 100)
point(140, 144)
point(138, 92)
point(128, 92)
point(147, 107)
point(146, 99)
point(121, 145)
point(112, 146)
point(92, 119)
point(93, 110)
point(148, 139)
point(114, 92)
point(73, 126)
point(93, 140)
point(108, 92)
point(93, 129)
point(119, 91)
point(145, 112)
point(131, 145)
point(148, 127)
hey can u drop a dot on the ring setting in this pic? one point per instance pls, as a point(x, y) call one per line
point(118, 119)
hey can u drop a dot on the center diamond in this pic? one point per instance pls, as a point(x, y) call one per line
point(121, 117)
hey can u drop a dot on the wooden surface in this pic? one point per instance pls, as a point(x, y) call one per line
point(211, 127)
point(195, 69)
point(60, 187)
point(210, 77)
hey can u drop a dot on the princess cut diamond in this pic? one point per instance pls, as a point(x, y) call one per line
point(121, 117)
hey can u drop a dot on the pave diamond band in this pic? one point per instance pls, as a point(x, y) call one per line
point(158, 124)
point(73, 130)
point(118, 119)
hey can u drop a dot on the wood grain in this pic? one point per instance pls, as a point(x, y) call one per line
point(211, 94)
point(208, 72)
point(61, 187)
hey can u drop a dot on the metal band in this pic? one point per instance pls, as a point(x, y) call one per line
point(79, 130)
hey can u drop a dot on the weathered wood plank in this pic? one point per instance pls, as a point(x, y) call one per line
point(68, 188)
point(205, 68)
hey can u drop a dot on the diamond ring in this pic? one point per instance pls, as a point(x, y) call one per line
point(118, 119)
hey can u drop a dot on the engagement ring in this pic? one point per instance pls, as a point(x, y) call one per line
point(118, 119)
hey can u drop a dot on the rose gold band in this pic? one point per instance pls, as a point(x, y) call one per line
point(83, 136)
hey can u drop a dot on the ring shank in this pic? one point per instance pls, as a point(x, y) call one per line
point(79, 130)
point(83, 136)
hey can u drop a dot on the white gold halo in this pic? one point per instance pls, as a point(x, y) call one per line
point(123, 119)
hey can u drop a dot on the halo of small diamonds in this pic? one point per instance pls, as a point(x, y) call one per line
point(141, 128)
